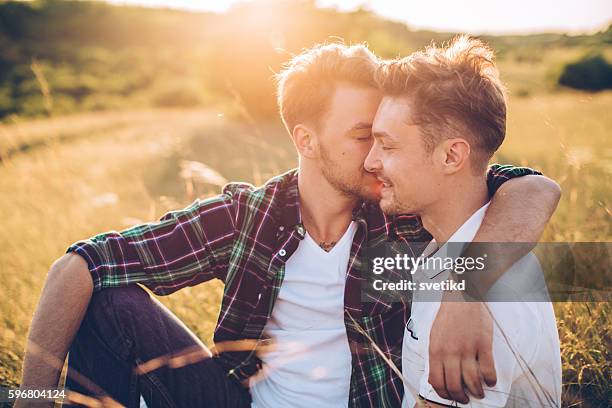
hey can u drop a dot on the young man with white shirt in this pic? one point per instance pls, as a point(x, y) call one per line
point(442, 117)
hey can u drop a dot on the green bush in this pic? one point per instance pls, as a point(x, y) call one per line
point(591, 73)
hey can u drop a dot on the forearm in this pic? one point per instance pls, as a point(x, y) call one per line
point(520, 210)
point(57, 318)
point(514, 223)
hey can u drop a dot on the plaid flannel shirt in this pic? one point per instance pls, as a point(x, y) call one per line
point(244, 238)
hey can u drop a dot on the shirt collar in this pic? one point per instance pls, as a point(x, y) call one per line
point(464, 234)
point(290, 217)
point(467, 231)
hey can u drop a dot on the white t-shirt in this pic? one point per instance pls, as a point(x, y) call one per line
point(311, 364)
point(531, 341)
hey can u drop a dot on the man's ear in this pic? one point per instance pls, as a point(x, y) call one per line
point(305, 141)
point(456, 155)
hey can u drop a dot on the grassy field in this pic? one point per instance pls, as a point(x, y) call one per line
point(67, 178)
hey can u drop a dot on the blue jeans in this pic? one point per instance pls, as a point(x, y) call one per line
point(126, 327)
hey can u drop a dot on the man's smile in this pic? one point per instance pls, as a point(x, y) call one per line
point(386, 184)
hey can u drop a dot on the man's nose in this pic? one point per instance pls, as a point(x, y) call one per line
point(372, 162)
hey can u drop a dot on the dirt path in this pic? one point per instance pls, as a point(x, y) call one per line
point(80, 175)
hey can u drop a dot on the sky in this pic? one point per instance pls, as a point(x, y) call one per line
point(469, 16)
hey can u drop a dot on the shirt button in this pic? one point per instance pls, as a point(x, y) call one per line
point(300, 230)
point(282, 252)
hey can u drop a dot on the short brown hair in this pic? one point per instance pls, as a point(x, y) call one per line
point(453, 90)
point(306, 83)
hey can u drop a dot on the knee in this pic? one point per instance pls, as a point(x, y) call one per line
point(123, 298)
point(111, 315)
point(114, 305)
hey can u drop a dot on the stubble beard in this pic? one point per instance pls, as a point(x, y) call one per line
point(350, 187)
point(391, 206)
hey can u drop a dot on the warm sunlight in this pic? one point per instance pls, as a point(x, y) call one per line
point(193, 199)
point(472, 16)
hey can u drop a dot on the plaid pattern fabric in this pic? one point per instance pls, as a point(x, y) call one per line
point(244, 237)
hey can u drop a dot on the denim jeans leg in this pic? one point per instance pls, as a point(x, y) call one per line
point(125, 327)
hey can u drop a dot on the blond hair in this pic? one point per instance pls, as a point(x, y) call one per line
point(306, 83)
point(453, 91)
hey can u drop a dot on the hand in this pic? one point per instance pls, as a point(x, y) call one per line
point(461, 350)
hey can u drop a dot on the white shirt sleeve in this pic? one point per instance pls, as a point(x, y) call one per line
point(511, 343)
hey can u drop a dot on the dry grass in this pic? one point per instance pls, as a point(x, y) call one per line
point(62, 192)
point(586, 343)
point(70, 187)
